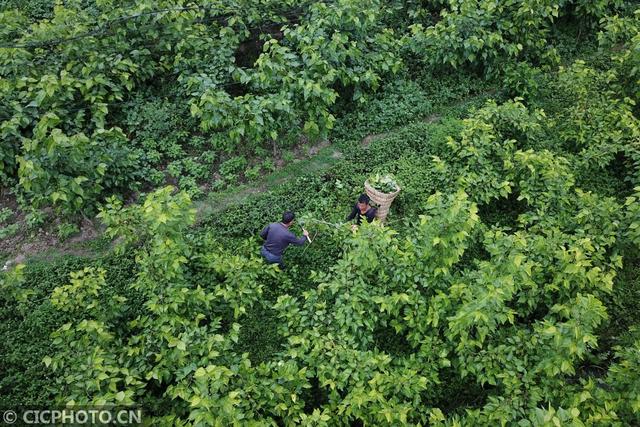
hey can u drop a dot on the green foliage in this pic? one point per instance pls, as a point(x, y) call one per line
point(5, 215)
point(35, 219)
point(253, 172)
point(12, 284)
point(632, 220)
point(282, 91)
point(397, 104)
point(522, 80)
point(488, 141)
point(229, 169)
point(39, 94)
point(506, 294)
point(622, 36)
point(486, 34)
point(35, 9)
point(468, 32)
point(520, 321)
point(66, 230)
point(28, 321)
point(160, 221)
point(7, 229)
point(72, 172)
point(159, 128)
point(188, 329)
point(163, 135)
point(308, 61)
point(593, 123)
point(294, 80)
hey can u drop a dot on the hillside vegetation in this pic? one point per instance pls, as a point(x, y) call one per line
point(502, 290)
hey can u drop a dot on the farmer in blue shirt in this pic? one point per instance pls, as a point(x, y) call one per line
point(277, 237)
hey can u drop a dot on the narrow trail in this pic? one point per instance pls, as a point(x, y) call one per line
point(321, 157)
point(22, 247)
point(322, 160)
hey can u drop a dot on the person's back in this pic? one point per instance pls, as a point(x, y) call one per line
point(277, 237)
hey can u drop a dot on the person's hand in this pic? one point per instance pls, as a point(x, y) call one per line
point(354, 227)
point(305, 232)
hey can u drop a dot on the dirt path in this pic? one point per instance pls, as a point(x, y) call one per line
point(23, 246)
point(320, 158)
point(46, 244)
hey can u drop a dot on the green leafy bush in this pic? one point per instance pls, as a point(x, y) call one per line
point(505, 296)
point(466, 33)
point(26, 326)
point(66, 230)
point(7, 231)
point(253, 172)
point(5, 215)
point(82, 172)
point(231, 168)
point(34, 9)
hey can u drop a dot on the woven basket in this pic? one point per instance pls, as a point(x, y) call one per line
point(383, 200)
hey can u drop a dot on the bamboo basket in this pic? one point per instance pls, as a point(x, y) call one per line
point(383, 200)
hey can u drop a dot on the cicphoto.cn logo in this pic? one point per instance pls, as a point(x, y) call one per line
point(72, 416)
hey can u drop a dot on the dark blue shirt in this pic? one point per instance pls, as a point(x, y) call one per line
point(278, 237)
point(370, 214)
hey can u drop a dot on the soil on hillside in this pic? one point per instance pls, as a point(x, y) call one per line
point(18, 246)
point(25, 243)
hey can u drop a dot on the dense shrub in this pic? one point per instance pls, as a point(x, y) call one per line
point(502, 289)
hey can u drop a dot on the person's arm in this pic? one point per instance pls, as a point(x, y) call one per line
point(353, 213)
point(371, 214)
point(264, 232)
point(297, 241)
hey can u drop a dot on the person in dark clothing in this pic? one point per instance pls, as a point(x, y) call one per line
point(362, 209)
point(278, 237)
